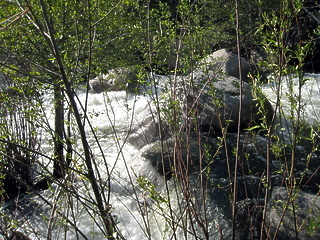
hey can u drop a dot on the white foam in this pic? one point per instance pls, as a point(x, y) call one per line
point(310, 96)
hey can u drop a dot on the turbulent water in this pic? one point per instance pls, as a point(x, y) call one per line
point(310, 92)
point(110, 115)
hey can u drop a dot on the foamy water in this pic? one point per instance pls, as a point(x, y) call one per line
point(110, 115)
point(310, 96)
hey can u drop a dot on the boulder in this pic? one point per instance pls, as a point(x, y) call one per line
point(3, 81)
point(215, 104)
point(223, 61)
point(161, 155)
point(98, 85)
point(14, 234)
point(210, 106)
point(301, 33)
point(194, 151)
point(200, 101)
point(306, 217)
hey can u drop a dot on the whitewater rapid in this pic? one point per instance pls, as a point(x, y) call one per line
point(310, 95)
point(111, 115)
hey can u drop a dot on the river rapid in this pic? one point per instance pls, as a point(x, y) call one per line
point(111, 115)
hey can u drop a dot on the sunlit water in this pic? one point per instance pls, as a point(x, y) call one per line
point(310, 96)
point(111, 115)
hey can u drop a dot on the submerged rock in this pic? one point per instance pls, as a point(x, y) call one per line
point(195, 153)
point(183, 151)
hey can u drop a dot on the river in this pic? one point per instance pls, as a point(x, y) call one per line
point(138, 217)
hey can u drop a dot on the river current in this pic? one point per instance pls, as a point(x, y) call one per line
point(110, 115)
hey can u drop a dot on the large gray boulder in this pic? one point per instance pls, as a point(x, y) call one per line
point(215, 103)
point(209, 106)
point(223, 61)
point(202, 100)
point(306, 215)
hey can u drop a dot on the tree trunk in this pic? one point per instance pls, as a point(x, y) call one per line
point(59, 162)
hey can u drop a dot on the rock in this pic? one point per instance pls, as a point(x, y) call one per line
point(115, 80)
point(306, 212)
point(303, 30)
point(17, 235)
point(3, 81)
point(223, 61)
point(217, 104)
point(248, 219)
point(153, 154)
point(146, 128)
point(99, 85)
point(210, 107)
point(175, 154)
point(161, 155)
point(199, 102)
point(259, 56)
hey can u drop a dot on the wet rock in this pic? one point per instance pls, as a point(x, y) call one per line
point(306, 215)
point(248, 219)
point(176, 154)
point(185, 153)
point(147, 128)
